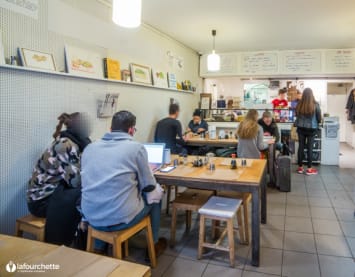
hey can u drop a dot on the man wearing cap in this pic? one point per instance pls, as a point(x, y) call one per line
point(197, 125)
point(270, 128)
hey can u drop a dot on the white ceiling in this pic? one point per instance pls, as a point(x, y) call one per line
point(252, 25)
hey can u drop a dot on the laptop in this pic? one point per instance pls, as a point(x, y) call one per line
point(155, 155)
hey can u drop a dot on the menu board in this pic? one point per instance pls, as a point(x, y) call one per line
point(342, 60)
point(301, 62)
point(259, 63)
point(228, 63)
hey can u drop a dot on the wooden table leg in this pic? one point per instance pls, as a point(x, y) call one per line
point(263, 188)
point(255, 228)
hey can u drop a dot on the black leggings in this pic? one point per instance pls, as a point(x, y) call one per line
point(305, 138)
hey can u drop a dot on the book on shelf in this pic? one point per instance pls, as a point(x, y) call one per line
point(112, 69)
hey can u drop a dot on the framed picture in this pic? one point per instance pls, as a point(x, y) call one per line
point(108, 106)
point(141, 74)
point(205, 99)
point(126, 75)
point(36, 59)
point(172, 80)
point(82, 62)
point(160, 79)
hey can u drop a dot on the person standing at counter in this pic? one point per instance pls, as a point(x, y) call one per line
point(251, 137)
point(298, 98)
point(270, 128)
point(281, 102)
point(308, 118)
point(197, 125)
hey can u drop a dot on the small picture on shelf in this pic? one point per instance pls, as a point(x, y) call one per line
point(141, 74)
point(172, 80)
point(36, 59)
point(126, 75)
point(160, 79)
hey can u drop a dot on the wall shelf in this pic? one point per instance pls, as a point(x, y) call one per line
point(64, 74)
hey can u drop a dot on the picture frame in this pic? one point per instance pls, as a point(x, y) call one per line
point(141, 74)
point(205, 101)
point(172, 80)
point(107, 107)
point(126, 75)
point(83, 62)
point(37, 59)
point(160, 79)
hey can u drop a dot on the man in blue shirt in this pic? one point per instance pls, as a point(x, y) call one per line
point(116, 178)
point(197, 125)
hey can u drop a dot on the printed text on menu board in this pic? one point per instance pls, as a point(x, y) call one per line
point(301, 62)
point(254, 63)
point(340, 60)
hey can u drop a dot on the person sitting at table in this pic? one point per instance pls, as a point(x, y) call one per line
point(251, 137)
point(197, 125)
point(55, 183)
point(169, 131)
point(118, 186)
point(270, 128)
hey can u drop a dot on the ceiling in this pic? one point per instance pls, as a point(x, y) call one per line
point(252, 25)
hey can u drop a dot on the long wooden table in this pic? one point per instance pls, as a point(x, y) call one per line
point(71, 262)
point(243, 179)
point(197, 141)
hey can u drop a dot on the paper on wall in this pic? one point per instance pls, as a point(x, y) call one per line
point(26, 7)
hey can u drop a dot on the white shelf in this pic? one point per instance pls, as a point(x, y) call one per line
point(64, 74)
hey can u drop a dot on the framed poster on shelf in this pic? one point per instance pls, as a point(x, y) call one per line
point(141, 74)
point(36, 59)
point(205, 99)
point(83, 62)
point(172, 80)
point(160, 79)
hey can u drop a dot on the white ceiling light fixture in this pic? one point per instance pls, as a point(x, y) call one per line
point(127, 13)
point(213, 60)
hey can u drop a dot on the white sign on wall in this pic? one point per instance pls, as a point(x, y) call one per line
point(302, 62)
point(259, 63)
point(26, 7)
point(341, 60)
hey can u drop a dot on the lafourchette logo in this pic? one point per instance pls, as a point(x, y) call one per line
point(25, 267)
point(11, 267)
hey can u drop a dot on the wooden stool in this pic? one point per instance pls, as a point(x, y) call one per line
point(31, 224)
point(246, 198)
point(116, 238)
point(190, 200)
point(221, 209)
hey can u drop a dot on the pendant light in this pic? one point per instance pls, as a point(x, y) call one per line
point(127, 13)
point(213, 60)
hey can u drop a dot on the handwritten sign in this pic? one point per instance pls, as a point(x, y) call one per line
point(259, 63)
point(301, 62)
point(340, 61)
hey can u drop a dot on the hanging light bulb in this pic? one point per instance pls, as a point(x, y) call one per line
point(213, 60)
point(127, 13)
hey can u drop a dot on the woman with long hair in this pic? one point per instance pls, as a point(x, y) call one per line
point(251, 137)
point(308, 118)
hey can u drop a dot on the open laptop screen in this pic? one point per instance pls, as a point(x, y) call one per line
point(155, 152)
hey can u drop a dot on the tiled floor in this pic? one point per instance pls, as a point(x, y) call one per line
point(310, 232)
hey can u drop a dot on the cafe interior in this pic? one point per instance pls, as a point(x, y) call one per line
point(162, 90)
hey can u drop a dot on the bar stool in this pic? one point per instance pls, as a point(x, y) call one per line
point(190, 200)
point(221, 209)
point(116, 238)
point(246, 198)
point(31, 224)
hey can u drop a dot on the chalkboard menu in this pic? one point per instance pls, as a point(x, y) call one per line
point(259, 63)
point(301, 62)
point(340, 61)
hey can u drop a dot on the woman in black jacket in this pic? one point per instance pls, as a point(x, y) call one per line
point(308, 118)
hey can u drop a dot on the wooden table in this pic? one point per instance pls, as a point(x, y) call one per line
point(243, 179)
point(197, 141)
point(72, 262)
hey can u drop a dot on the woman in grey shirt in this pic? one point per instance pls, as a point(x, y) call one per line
point(251, 137)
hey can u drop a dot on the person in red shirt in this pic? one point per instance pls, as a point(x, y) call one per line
point(281, 102)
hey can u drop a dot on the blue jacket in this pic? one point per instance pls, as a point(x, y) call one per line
point(309, 121)
point(114, 171)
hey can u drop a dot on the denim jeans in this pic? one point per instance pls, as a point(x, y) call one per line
point(149, 209)
point(305, 139)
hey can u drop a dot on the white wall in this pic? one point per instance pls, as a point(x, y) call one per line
point(30, 101)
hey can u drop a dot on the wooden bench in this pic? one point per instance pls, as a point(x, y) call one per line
point(116, 238)
point(31, 224)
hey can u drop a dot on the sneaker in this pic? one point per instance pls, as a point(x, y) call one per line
point(300, 170)
point(311, 171)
